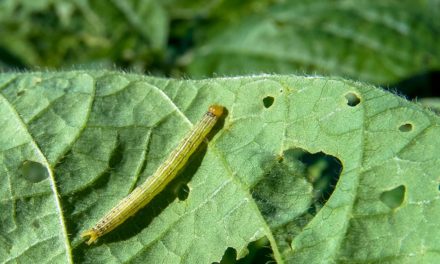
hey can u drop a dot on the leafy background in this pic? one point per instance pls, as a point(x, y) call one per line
point(392, 44)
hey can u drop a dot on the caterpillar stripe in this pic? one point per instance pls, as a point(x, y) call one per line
point(154, 184)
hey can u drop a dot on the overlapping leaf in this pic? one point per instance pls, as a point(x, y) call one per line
point(375, 41)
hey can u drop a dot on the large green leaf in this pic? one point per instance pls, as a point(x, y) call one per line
point(74, 143)
point(376, 41)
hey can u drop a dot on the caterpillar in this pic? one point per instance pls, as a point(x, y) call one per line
point(154, 184)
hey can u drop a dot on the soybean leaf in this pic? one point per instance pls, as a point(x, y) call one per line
point(74, 143)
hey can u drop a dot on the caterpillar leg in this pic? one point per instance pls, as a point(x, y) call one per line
point(92, 234)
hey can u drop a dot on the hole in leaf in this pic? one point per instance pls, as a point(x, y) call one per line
point(352, 99)
point(268, 101)
point(293, 189)
point(323, 172)
point(33, 171)
point(182, 192)
point(259, 251)
point(229, 256)
point(406, 127)
point(393, 198)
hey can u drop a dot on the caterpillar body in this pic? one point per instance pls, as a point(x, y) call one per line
point(154, 184)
